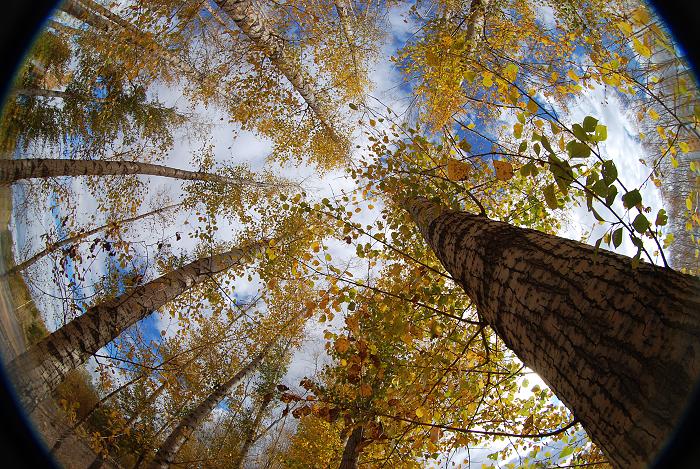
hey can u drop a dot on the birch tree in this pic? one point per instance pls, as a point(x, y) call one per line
point(38, 370)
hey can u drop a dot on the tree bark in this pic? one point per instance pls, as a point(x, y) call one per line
point(351, 453)
point(247, 18)
point(344, 12)
point(42, 93)
point(619, 346)
point(31, 168)
point(53, 247)
point(166, 453)
point(43, 366)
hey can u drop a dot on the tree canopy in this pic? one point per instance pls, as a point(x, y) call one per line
point(214, 214)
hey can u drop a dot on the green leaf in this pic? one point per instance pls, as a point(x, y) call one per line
point(661, 218)
point(589, 124)
point(566, 451)
point(617, 237)
point(600, 189)
point(641, 224)
point(546, 145)
point(550, 197)
point(577, 149)
point(601, 133)
point(610, 198)
point(609, 171)
point(579, 133)
point(632, 199)
point(522, 147)
point(352, 106)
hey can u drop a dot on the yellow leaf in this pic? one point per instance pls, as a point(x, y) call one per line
point(653, 114)
point(689, 203)
point(510, 72)
point(625, 27)
point(457, 170)
point(504, 170)
point(315, 246)
point(571, 74)
point(532, 106)
point(421, 412)
point(487, 80)
point(684, 148)
point(640, 48)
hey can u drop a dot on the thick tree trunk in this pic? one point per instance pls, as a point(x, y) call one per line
point(41, 368)
point(171, 445)
point(53, 247)
point(619, 346)
point(251, 432)
point(351, 453)
point(249, 20)
point(31, 168)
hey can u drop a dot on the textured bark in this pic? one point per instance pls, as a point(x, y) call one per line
point(351, 453)
point(43, 366)
point(32, 168)
point(249, 20)
point(53, 247)
point(475, 23)
point(344, 11)
point(250, 434)
point(166, 453)
point(619, 346)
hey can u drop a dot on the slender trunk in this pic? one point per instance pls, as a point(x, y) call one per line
point(53, 247)
point(43, 366)
point(475, 23)
point(30, 168)
point(619, 346)
point(59, 442)
point(351, 453)
point(249, 20)
point(344, 12)
point(99, 460)
point(40, 92)
point(250, 434)
point(171, 445)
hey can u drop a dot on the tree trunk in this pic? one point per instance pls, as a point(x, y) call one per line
point(53, 247)
point(344, 12)
point(351, 453)
point(248, 19)
point(171, 445)
point(31, 168)
point(99, 460)
point(59, 441)
point(250, 434)
point(43, 366)
point(619, 346)
point(42, 93)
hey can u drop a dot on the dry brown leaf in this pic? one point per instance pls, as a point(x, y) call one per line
point(457, 170)
point(504, 170)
